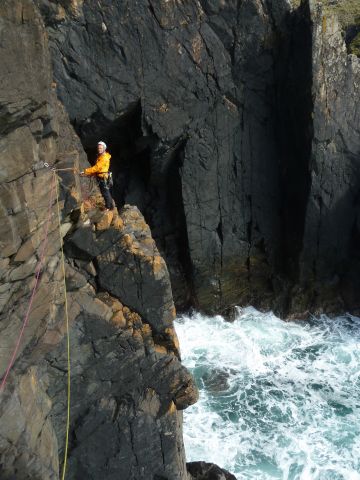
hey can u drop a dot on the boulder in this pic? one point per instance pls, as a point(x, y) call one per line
point(208, 471)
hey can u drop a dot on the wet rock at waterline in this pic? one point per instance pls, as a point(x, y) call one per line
point(216, 380)
point(207, 471)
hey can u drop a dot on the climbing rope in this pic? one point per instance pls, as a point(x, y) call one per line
point(85, 189)
point(67, 336)
point(37, 277)
point(54, 188)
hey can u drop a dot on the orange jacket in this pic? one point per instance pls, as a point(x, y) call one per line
point(101, 166)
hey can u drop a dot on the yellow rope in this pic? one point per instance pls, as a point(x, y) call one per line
point(67, 336)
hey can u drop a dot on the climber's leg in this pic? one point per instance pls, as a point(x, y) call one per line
point(105, 192)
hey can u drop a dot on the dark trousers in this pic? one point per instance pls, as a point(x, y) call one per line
point(105, 192)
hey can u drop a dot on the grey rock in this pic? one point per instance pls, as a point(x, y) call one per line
point(208, 471)
point(229, 166)
point(120, 413)
point(199, 160)
point(233, 128)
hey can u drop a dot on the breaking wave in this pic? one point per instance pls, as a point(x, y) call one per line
point(278, 400)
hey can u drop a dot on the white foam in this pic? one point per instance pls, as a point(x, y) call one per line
point(283, 398)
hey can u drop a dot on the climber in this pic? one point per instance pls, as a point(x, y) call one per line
point(101, 171)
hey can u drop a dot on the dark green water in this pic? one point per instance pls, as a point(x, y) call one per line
point(277, 400)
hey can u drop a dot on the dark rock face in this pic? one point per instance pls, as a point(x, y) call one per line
point(34, 129)
point(128, 370)
point(320, 181)
point(208, 471)
point(233, 128)
point(190, 119)
point(128, 386)
point(329, 259)
point(214, 113)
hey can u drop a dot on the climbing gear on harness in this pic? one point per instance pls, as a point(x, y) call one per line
point(109, 180)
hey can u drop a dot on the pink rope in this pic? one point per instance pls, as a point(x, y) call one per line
point(37, 277)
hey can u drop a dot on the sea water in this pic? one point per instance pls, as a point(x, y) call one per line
point(278, 400)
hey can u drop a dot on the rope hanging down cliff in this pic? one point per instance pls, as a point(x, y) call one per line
point(54, 188)
point(67, 338)
point(33, 292)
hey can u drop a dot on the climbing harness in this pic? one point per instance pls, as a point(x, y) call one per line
point(54, 189)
